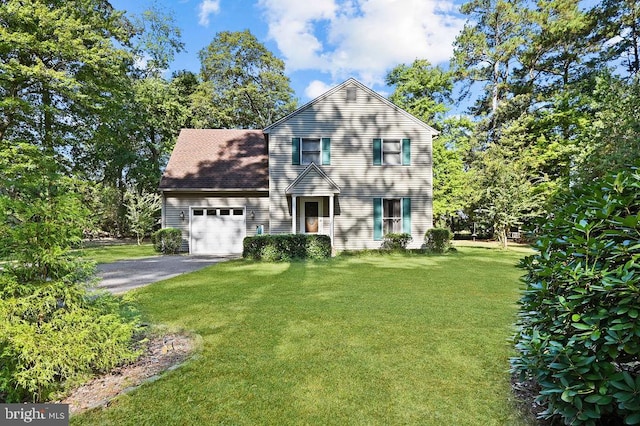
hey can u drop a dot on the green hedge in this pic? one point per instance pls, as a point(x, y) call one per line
point(167, 240)
point(285, 247)
point(579, 329)
point(438, 240)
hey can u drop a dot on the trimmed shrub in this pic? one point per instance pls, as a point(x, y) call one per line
point(167, 240)
point(392, 241)
point(579, 324)
point(438, 240)
point(285, 247)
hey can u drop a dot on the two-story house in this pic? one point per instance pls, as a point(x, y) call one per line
point(348, 164)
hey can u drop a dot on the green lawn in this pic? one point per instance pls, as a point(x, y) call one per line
point(111, 253)
point(353, 340)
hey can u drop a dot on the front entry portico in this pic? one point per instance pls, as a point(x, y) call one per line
point(312, 202)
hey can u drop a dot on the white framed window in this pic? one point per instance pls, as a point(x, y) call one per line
point(310, 151)
point(391, 216)
point(392, 152)
point(305, 151)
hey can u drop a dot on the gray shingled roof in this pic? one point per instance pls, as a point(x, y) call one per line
point(218, 159)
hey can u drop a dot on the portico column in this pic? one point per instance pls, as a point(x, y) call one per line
point(294, 213)
point(331, 218)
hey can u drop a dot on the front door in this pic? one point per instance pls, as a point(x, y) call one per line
point(311, 213)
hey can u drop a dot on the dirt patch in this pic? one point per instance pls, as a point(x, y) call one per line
point(162, 354)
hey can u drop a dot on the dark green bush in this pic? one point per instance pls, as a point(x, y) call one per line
point(285, 247)
point(579, 324)
point(393, 241)
point(438, 240)
point(167, 240)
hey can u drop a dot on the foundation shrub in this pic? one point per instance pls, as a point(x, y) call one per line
point(167, 240)
point(438, 240)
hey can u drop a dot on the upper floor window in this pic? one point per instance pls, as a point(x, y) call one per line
point(311, 150)
point(392, 152)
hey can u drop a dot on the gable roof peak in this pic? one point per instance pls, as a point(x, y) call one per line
point(351, 81)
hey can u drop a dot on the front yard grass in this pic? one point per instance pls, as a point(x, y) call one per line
point(112, 253)
point(353, 340)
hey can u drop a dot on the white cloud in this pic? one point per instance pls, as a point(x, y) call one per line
point(207, 8)
point(361, 38)
point(316, 88)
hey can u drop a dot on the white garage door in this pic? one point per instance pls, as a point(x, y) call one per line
point(217, 230)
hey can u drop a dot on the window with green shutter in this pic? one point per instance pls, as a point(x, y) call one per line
point(391, 215)
point(377, 219)
point(392, 152)
point(295, 151)
point(311, 150)
point(377, 152)
point(326, 151)
point(406, 215)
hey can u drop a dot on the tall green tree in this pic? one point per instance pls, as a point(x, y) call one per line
point(486, 51)
point(508, 196)
point(611, 140)
point(455, 186)
point(243, 84)
point(59, 64)
point(619, 32)
point(156, 40)
point(422, 89)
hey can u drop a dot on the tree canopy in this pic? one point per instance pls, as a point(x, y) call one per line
point(243, 84)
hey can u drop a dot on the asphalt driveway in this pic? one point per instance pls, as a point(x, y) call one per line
point(119, 277)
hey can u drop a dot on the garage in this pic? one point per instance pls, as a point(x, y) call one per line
point(217, 230)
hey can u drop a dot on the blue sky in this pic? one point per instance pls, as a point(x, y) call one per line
point(323, 42)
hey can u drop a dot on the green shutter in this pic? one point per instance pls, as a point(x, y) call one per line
point(326, 151)
point(406, 215)
point(295, 151)
point(406, 152)
point(377, 152)
point(377, 219)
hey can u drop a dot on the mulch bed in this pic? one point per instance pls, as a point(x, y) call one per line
point(163, 353)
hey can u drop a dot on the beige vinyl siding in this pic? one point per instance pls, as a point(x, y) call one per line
point(313, 184)
point(352, 126)
point(175, 202)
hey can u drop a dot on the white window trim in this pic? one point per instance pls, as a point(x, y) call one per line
point(397, 218)
point(399, 152)
point(302, 151)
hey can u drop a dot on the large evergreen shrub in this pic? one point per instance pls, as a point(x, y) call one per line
point(579, 326)
point(53, 332)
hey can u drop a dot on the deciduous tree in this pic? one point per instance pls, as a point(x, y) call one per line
point(243, 83)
